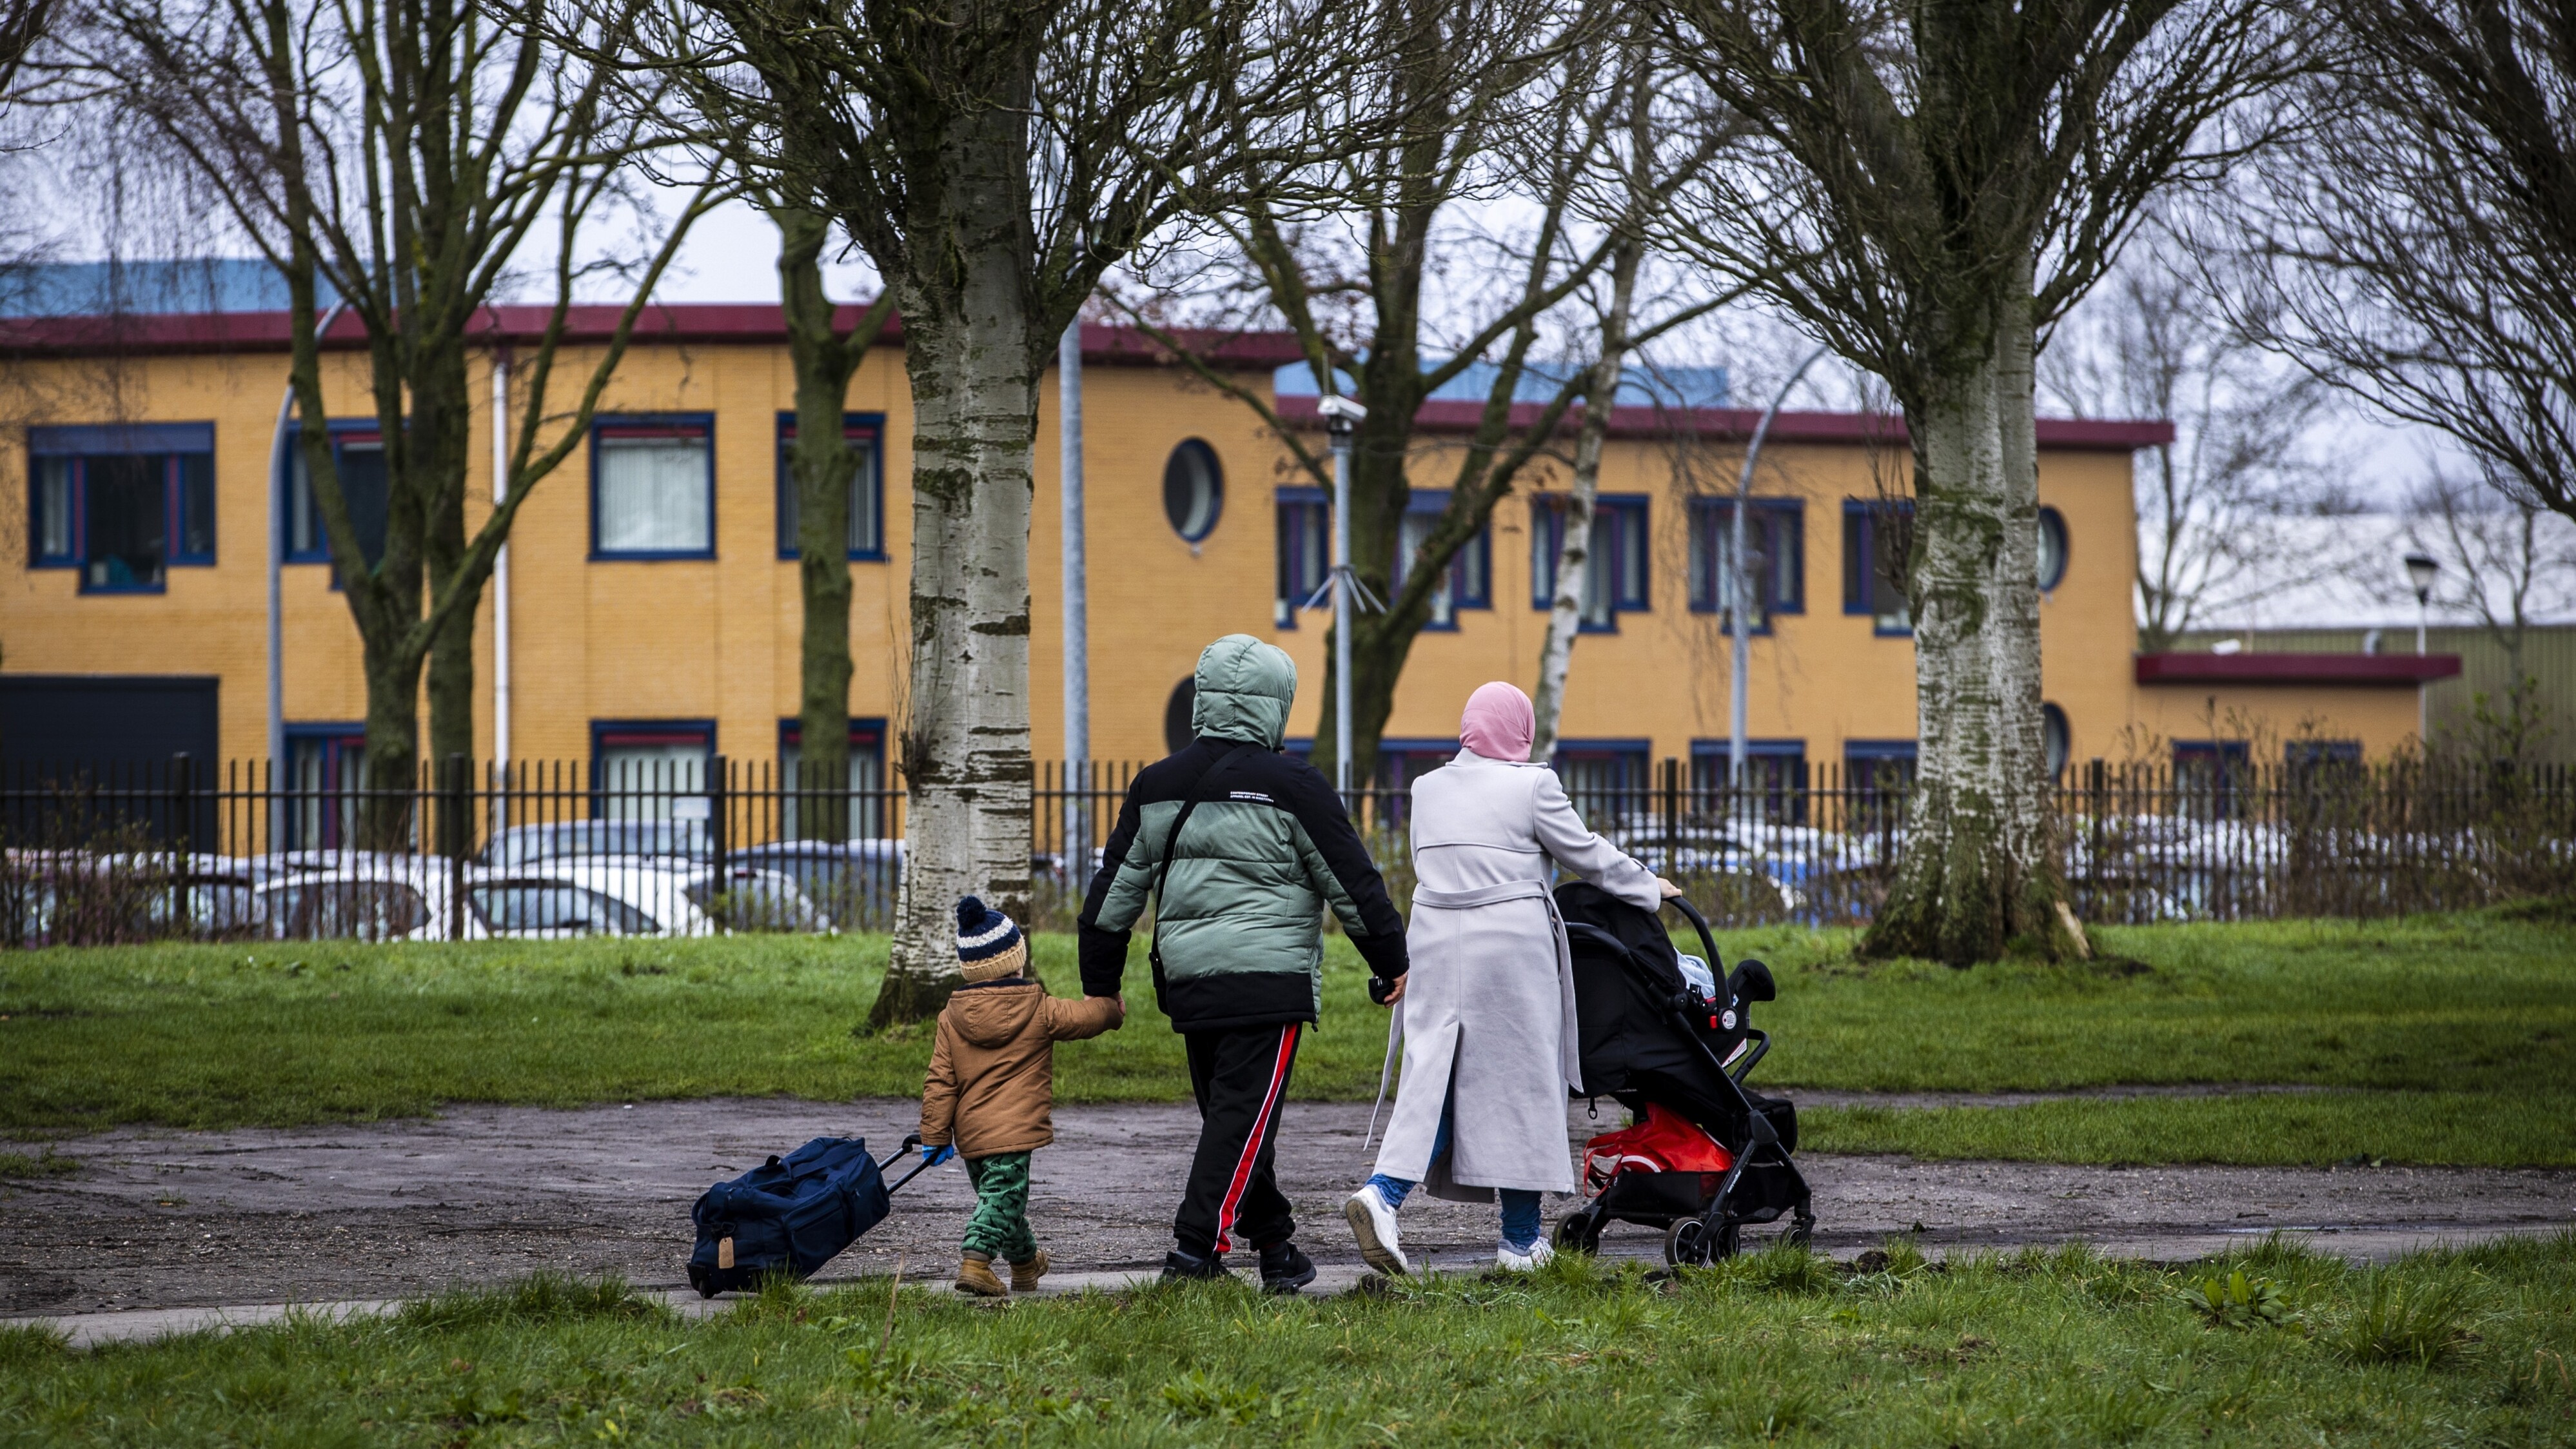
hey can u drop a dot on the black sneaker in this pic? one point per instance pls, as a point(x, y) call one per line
point(1179, 1266)
point(1284, 1269)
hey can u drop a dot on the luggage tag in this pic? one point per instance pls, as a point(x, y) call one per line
point(724, 1252)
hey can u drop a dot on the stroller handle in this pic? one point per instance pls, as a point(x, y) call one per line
point(1699, 923)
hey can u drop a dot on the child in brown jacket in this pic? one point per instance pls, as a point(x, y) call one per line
point(991, 1089)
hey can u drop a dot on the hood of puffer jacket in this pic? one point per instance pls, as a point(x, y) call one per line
point(1244, 688)
point(989, 1016)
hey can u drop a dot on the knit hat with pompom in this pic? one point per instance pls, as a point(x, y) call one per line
point(989, 944)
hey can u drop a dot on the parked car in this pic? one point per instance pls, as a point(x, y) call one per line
point(574, 839)
point(853, 882)
point(421, 898)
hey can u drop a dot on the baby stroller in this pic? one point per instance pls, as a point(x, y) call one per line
point(1705, 1157)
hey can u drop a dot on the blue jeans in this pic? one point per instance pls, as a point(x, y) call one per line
point(1520, 1204)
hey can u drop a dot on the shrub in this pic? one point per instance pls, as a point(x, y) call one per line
point(2238, 1301)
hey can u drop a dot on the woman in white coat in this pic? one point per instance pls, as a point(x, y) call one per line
point(1487, 1011)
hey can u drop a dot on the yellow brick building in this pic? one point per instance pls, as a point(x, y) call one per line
point(652, 612)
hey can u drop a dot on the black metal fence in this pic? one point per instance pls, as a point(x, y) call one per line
point(692, 847)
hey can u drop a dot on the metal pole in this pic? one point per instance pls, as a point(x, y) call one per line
point(501, 566)
point(277, 465)
point(1340, 430)
point(1741, 678)
point(1077, 602)
point(1077, 606)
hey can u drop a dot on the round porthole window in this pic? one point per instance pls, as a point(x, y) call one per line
point(1177, 729)
point(1193, 490)
point(2052, 729)
point(2052, 549)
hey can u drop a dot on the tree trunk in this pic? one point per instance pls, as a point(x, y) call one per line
point(1977, 874)
point(972, 341)
point(822, 465)
point(1574, 551)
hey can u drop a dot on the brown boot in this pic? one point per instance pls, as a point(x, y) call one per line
point(1025, 1276)
point(975, 1275)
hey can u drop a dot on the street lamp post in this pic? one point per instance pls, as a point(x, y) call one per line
point(1741, 613)
point(1341, 417)
point(2421, 570)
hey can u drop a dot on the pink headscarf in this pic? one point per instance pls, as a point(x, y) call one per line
point(1499, 723)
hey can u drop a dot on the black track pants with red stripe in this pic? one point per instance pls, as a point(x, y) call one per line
point(1240, 1076)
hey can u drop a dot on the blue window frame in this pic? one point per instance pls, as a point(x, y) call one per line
point(1615, 576)
point(326, 782)
point(1610, 781)
point(1775, 778)
point(1305, 552)
point(1470, 583)
point(653, 487)
point(1879, 775)
point(650, 769)
point(865, 434)
point(121, 503)
point(2209, 778)
point(1193, 490)
point(1874, 563)
point(1775, 530)
point(358, 456)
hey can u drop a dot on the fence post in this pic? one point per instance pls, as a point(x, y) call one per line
point(1672, 817)
point(183, 809)
point(719, 801)
point(455, 838)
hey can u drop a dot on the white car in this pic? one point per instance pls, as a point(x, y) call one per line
point(421, 898)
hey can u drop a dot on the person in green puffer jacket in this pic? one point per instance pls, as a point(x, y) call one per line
point(1241, 849)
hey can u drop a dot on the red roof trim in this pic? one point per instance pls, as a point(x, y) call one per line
point(671, 324)
point(2090, 435)
point(2383, 669)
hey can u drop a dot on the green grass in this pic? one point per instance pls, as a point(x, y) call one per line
point(2037, 1349)
point(2445, 1039)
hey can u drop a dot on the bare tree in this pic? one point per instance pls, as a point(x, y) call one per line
point(1939, 183)
point(2416, 241)
point(992, 160)
point(2508, 562)
point(399, 153)
point(2155, 344)
point(1525, 102)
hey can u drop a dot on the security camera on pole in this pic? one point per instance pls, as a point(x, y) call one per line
point(1341, 416)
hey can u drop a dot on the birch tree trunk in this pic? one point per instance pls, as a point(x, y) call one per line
point(1574, 551)
point(972, 340)
point(1977, 873)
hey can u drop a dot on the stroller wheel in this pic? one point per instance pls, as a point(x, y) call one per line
point(1686, 1243)
point(1578, 1232)
point(1802, 1228)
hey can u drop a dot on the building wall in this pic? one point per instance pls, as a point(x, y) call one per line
point(2548, 656)
point(716, 640)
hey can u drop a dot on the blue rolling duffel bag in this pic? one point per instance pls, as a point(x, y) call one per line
point(791, 1214)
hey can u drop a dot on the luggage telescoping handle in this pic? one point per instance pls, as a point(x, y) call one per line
point(910, 1144)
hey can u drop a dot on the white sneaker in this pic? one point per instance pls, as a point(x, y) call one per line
point(1373, 1224)
point(1538, 1256)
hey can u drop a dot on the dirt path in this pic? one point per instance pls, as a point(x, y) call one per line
point(166, 1219)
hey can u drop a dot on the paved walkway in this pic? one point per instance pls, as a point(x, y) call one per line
point(358, 1215)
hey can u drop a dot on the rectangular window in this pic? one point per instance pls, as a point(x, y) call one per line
point(651, 770)
point(1611, 782)
point(653, 488)
point(1468, 584)
point(866, 783)
point(1305, 552)
point(1615, 573)
point(1775, 781)
point(861, 432)
point(2209, 778)
point(1874, 563)
point(326, 783)
point(1775, 536)
point(358, 459)
point(1879, 775)
point(121, 504)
